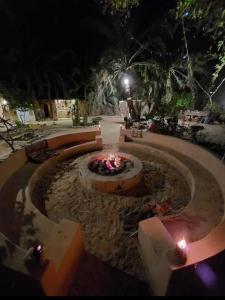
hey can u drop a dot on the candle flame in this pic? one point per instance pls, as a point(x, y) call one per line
point(39, 248)
point(182, 244)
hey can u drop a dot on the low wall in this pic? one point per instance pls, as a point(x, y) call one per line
point(64, 251)
point(12, 165)
point(156, 242)
point(63, 242)
point(12, 256)
point(163, 157)
point(199, 154)
point(57, 142)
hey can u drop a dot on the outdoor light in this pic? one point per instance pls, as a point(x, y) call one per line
point(4, 102)
point(181, 251)
point(126, 82)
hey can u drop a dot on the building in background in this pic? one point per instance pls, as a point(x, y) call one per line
point(46, 109)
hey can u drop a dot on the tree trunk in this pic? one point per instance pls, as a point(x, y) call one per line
point(131, 109)
point(190, 69)
point(169, 90)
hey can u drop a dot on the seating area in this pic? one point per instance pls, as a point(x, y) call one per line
point(63, 242)
point(39, 152)
point(158, 236)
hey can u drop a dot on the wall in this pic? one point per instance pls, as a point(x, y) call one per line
point(155, 248)
point(59, 141)
point(63, 242)
point(11, 165)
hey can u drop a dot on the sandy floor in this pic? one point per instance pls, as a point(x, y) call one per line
point(104, 218)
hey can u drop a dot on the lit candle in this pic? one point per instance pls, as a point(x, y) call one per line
point(37, 253)
point(99, 126)
point(181, 251)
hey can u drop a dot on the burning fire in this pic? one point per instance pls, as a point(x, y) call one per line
point(112, 162)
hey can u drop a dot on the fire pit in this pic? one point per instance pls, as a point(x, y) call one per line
point(110, 165)
point(111, 172)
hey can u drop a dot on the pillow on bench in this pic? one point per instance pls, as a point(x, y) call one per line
point(39, 152)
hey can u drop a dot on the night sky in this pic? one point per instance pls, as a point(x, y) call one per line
point(61, 36)
point(52, 25)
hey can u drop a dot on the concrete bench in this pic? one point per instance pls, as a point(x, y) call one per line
point(39, 152)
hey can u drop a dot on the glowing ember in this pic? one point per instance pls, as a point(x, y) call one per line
point(110, 165)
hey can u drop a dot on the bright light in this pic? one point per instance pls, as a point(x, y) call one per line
point(126, 81)
point(39, 248)
point(182, 244)
point(4, 102)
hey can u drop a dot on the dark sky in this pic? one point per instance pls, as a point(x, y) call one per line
point(65, 34)
point(48, 26)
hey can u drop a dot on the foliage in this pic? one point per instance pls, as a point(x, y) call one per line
point(120, 6)
point(183, 101)
point(215, 108)
point(104, 92)
point(17, 98)
point(214, 112)
point(7, 136)
point(209, 17)
point(19, 124)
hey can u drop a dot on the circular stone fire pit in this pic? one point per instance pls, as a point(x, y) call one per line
point(109, 172)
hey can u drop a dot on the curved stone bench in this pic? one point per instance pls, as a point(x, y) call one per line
point(63, 242)
point(63, 245)
point(157, 244)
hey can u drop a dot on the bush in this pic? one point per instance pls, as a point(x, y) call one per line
point(214, 112)
point(222, 118)
point(213, 108)
point(183, 101)
point(19, 124)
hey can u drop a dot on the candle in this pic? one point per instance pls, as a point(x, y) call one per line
point(181, 251)
point(99, 126)
point(37, 253)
